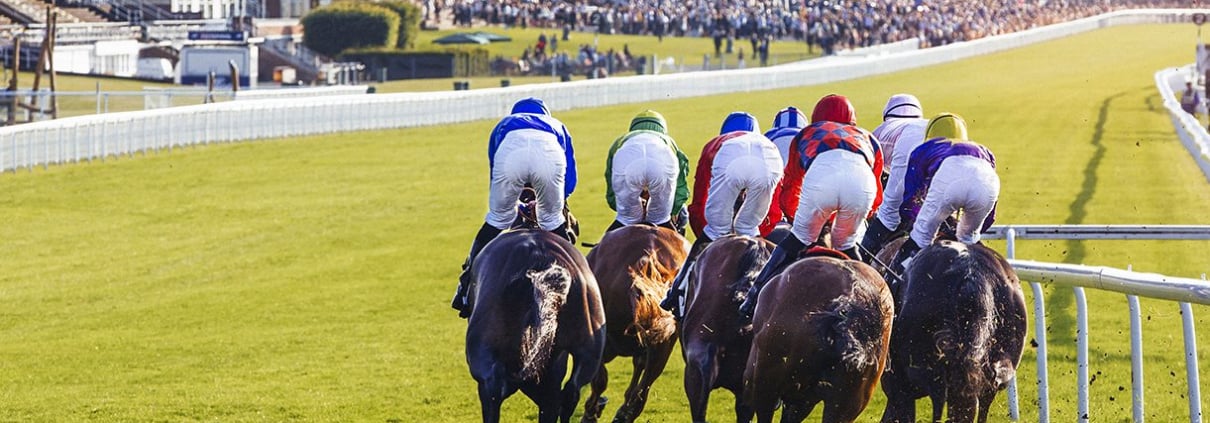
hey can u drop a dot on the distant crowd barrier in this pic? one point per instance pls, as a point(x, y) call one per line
point(100, 136)
point(1171, 82)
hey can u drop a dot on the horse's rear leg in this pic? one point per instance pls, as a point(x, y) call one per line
point(743, 413)
point(653, 365)
point(624, 414)
point(796, 413)
point(583, 369)
point(962, 408)
point(900, 406)
point(595, 402)
point(985, 404)
point(701, 370)
point(492, 391)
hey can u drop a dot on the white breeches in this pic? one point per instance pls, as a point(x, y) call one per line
point(838, 182)
point(644, 163)
point(964, 183)
point(748, 165)
point(527, 156)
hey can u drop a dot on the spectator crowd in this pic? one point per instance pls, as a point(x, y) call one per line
point(828, 25)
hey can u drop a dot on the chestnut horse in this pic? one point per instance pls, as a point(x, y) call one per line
point(535, 304)
point(822, 329)
point(635, 266)
point(958, 336)
point(714, 338)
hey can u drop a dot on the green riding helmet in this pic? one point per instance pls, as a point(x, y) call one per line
point(650, 120)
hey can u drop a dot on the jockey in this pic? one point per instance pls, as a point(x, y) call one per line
point(646, 159)
point(901, 131)
point(739, 160)
point(946, 174)
point(833, 170)
point(528, 146)
point(786, 125)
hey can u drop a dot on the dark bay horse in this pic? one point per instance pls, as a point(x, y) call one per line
point(822, 329)
point(958, 336)
point(714, 338)
point(635, 266)
point(536, 303)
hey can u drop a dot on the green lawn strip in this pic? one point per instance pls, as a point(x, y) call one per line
point(308, 279)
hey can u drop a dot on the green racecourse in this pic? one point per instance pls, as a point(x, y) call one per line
point(308, 279)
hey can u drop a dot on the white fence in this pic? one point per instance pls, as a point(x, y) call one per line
point(1132, 284)
point(90, 137)
point(1188, 128)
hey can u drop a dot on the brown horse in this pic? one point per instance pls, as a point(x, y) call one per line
point(635, 265)
point(821, 334)
point(535, 304)
point(958, 336)
point(714, 338)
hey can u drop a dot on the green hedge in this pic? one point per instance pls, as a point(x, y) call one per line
point(465, 62)
point(341, 26)
point(409, 22)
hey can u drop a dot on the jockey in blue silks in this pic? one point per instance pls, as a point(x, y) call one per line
point(527, 147)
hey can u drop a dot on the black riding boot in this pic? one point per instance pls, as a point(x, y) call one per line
point(486, 234)
point(853, 253)
point(784, 254)
point(564, 231)
point(908, 250)
point(668, 225)
point(672, 300)
point(615, 225)
point(875, 236)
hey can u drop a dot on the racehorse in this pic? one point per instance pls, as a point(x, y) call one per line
point(821, 334)
point(958, 336)
point(635, 266)
point(714, 338)
point(536, 303)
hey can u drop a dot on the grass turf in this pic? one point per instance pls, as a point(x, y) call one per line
point(308, 279)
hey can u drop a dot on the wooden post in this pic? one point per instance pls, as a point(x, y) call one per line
point(12, 84)
point(54, 99)
point(46, 36)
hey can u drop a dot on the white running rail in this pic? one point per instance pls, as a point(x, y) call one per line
point(1133, 284)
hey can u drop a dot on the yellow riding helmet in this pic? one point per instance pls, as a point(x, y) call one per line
point(650, 120)
point(947, 125)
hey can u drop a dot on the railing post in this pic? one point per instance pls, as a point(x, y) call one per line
point(1081, 355)
point(1014, 410)
point(1136, 355)
point(1040, 335)
point(1195, 395)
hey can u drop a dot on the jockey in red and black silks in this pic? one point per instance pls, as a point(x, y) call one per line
point(833, 173)
point(739, 160)
point(527, 147)
point(946, 174)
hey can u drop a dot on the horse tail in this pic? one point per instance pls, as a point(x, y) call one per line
point(652, 324)
point(968, 328)
point(852, 324)
point(751, 260)
point(550, 287)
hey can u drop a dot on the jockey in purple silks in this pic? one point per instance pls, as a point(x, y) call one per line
point(946, 174)
point(527, 147)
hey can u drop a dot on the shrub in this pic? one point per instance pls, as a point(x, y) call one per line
point(409, 22)
point(341, 26)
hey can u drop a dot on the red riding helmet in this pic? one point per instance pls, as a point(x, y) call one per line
point(834, 108)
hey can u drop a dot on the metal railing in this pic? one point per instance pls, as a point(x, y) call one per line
point(1191, 132)
point(1133, 284)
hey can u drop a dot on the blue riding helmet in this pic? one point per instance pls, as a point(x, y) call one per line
point(531, 105)
point(739, 121)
